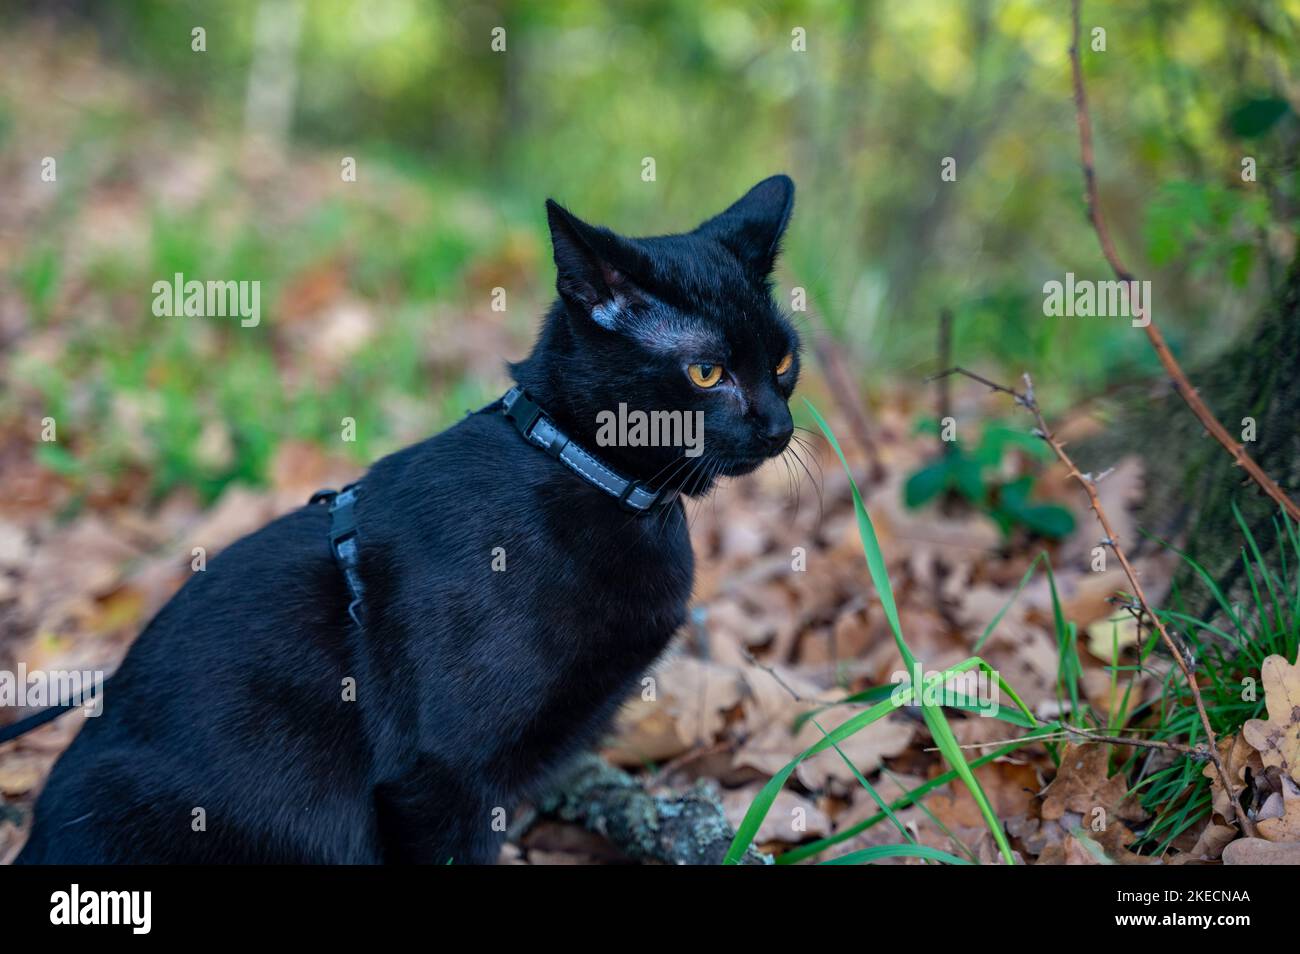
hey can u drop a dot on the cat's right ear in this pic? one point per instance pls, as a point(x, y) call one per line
point(592, 267)
point(752, 227)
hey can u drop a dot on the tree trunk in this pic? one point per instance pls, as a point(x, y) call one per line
point(1192, 483)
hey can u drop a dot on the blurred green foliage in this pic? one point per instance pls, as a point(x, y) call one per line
point(986, 478)
point(457, 145)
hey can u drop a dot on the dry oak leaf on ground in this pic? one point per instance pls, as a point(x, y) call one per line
point(1257, 851)
point(686, 709)
point(1277, 739)
point(791, 819)
point(1087, 808)
point(1278, 815)
point(1237, 756)
point(771, 714)
point(1082, 785)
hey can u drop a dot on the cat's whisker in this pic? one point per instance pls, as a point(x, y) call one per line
point(677, 465)
point(807, 446)
point(792, 480)
point(819, 487)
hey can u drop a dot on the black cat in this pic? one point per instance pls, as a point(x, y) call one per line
point(508, 602)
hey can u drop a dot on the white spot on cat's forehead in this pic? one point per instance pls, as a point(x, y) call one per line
point(656, 329)
point(671, 335)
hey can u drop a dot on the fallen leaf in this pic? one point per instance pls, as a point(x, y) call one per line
point(690, 697)
point(1083, 786)
point(772, 747)
point(1279, 816)
point(1277, 739)
point(1257, 851)
point(1209, 844)
point(1237, 756)
point(791, 819)
point(1107, 637)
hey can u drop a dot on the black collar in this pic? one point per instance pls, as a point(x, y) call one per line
point(538, 429)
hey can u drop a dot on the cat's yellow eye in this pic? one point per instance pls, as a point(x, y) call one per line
point(705, 375)
point(785, 364)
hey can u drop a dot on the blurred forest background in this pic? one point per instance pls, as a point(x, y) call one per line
point(376, 301)
point(226, 164)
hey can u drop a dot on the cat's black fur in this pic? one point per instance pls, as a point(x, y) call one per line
point(472, 684)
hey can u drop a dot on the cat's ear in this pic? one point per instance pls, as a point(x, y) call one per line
point(753, 226)
point(593, 266)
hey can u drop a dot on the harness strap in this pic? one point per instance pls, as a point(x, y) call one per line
point(36, 719)
point(344, 544)
point(536, 428)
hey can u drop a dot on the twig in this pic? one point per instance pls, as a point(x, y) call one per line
point(849, 400)
point(1030, 403)
point(1200, 752)
point(795, 695)
point(991, 385)
point(1180, 381)
point(945, 391)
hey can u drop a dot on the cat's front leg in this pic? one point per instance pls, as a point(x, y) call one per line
point(434, 815)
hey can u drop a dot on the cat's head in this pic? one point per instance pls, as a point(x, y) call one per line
point(678, 323)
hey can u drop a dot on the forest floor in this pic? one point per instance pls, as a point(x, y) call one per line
point(784, 618)
point(98, 532)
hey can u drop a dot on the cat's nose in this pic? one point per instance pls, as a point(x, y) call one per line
point(776, 433)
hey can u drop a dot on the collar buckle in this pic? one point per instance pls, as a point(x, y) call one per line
point(629, 487)
point(521, 410)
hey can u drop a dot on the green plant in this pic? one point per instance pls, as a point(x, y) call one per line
point(935, 719)
point(976, 476)
point(1229, 650)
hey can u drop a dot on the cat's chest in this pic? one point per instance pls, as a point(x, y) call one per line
point(614, 577)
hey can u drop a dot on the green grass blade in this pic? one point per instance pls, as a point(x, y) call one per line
point(1024, 581)
point(875, 796)
point(879, 852)
point(934, 717)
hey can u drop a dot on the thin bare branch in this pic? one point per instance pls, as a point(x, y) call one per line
point(1199, 752)
point(1180, 381)
point(1027, 400)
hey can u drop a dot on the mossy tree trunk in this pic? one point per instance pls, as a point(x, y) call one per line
point(1192, 483)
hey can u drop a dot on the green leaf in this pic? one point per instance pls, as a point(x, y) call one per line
point(59, 459)
point(1047, 520)
point(968, 477)
point(1255, 117)
point(927, 483)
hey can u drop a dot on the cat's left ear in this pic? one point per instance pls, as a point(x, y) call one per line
point(593, 267)
point(752, 228)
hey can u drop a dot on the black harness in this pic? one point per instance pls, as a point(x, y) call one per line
point(538, 429)
point(343, 541)
point(533, 425)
